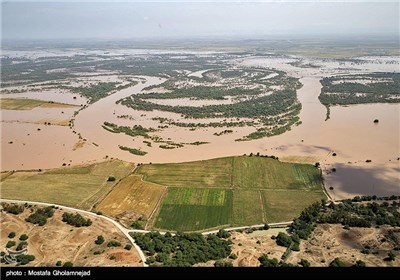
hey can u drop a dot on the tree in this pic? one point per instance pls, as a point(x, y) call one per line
point(99, 240)
point(23, 237)
point(283, 239)
point(223, 264)
point(391, 256)
point(359, 263)
point(128, 247)
point(21, 245)
point(266, 262)
point(58, 263)
point(223, 234)
point(10, 244)
point(304, 263)
point(11, 234)
point(111, 179)
point(68, 264)
point(337, 263)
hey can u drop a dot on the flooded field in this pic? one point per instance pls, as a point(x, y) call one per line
point(343, 143)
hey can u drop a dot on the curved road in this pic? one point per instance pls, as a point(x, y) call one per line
point(121, 228)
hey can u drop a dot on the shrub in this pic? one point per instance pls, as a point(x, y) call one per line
point(11, 234)
point(128, 247)
point(58, 263)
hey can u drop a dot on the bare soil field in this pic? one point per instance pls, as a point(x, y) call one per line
point(131, 198)
point(58, 241)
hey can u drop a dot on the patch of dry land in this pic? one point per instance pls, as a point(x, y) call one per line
point(327, 242)
point(58, 241)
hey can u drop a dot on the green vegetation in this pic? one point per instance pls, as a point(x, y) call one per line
point(95, 92)
point(21, 245)
point(24, 259)
point(11, 234)
point(347, 213)
point(337, 263)
point(128, 247)
point(13, 208)
point(58, 263)
point(273, 111)
point(133, 151)
point(76, 220)
point(232, 191)
point(10, 244)
point(136, 130)
point(68, 264)
point(40, 216)
point(23, 237)
point(194, 209)
point(360, 88)
point(29, 104)
point(226, 131)
point(182, 249)
point(223, 264)
point(99, 240)
point(111, 179)
point(113, 243)
point(78, 186)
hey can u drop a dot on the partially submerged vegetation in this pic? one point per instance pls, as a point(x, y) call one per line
point(133, 151)
point(253, 100)
point(360, 89)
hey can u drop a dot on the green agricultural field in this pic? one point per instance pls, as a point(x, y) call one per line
point(214, 173)
point(266, 173)
point(232, 191)
point(29, 104)
point(282, 206)
point(247, 208)
point(190, 209)
point(79, 186)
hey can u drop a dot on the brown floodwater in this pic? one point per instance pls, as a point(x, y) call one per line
point(350, 133)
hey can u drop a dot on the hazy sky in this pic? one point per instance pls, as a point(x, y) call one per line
point(174, 19)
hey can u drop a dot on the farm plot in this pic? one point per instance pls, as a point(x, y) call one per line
point(254, 190)
point(132, 195)
point(185, 209)
point(247, 208)
point(79, 186)
point(29, 104)
point(285, 205)
point(267, 173)
point(214, 173)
